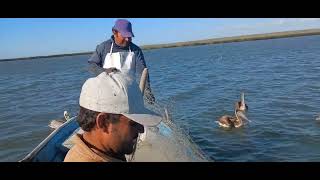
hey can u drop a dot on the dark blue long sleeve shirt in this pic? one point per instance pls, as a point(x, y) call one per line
point(103, 49)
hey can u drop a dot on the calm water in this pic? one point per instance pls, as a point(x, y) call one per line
point(280, 78)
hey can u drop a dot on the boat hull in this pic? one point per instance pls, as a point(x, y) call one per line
point(164, 143)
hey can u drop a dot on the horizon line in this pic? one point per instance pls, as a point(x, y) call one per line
point(240, 38)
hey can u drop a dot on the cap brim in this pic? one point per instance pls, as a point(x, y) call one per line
point(147, 119)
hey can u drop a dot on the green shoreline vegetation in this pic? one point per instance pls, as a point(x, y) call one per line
point(252, 37)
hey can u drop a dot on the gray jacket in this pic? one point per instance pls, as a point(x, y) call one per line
point(96, 61)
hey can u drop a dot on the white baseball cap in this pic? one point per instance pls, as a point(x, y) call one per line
point(117, 93)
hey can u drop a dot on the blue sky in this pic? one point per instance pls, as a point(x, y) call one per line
point(24, 37)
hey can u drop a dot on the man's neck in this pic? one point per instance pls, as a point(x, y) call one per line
point(93, 141)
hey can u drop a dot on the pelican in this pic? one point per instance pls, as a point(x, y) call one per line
point(54, 124)
point(239, 115)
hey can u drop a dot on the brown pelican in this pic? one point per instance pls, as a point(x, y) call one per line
point(239, 115)
point(54, 124)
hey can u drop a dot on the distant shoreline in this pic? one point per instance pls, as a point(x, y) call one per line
point(252, 37)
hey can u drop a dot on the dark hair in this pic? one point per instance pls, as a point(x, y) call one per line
point(87, 119)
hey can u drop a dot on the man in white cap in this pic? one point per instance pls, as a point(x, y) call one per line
point(112, 114)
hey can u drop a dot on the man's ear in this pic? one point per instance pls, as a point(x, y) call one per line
point(102, 121)
point(114, 32)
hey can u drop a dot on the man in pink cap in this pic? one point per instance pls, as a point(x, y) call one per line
point(120, 54)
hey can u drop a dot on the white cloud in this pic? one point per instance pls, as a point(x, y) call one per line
point(273, 25)
point(308, 19)
point(293, 21)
